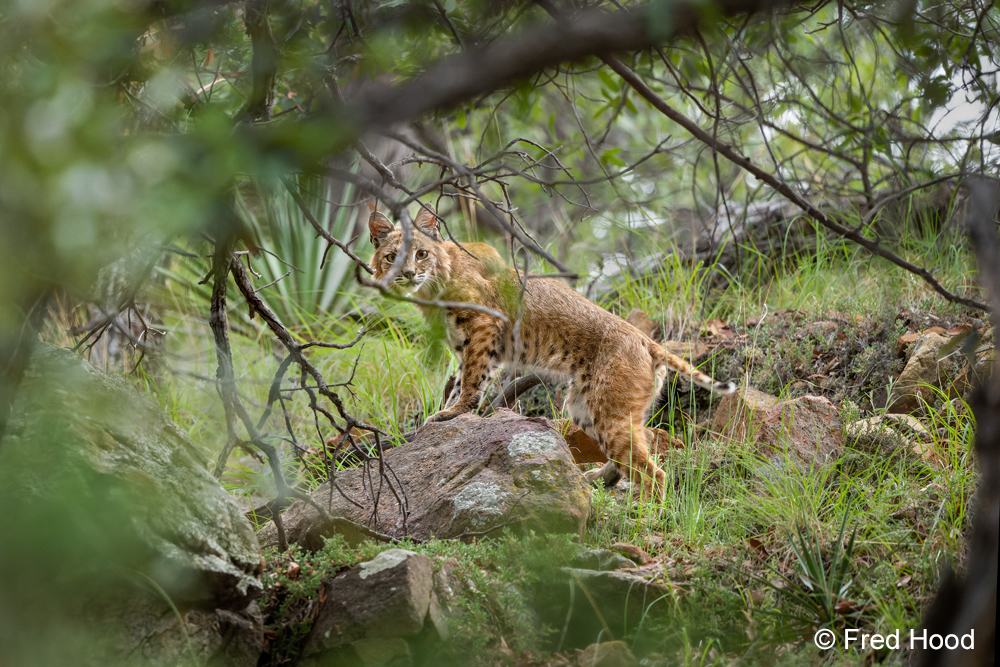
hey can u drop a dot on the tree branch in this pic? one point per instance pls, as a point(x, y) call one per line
point(730, 154)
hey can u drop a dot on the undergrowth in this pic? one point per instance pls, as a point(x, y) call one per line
point(741, 545)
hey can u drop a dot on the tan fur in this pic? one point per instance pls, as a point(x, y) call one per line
point(614, 370)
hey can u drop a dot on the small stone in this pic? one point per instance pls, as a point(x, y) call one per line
point(602, 560)
point(608, 654)
point(641, 321)
point(904, 342)
point(632, 552)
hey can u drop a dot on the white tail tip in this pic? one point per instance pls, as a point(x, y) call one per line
point(724, 387)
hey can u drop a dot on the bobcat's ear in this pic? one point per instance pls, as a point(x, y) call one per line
point(428, 222)
point(379, 226)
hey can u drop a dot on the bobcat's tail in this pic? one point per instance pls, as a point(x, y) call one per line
point(675, 364)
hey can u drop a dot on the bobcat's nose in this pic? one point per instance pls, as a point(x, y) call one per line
point(408, 275)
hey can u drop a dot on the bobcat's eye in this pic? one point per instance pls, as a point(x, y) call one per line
point(421, 254)
point(391, 257)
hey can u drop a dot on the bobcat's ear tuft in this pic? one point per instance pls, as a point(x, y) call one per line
point(428, 222)
point(379, 226)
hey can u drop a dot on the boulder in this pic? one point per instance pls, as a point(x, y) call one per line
point(632, 552)
point(804, 431)
point(468, 477)
point(386, 597)
point(924, 373)
point(146, 629)
point(106, 500)
point(77, 428)
point(601, 560)
point(739, 414)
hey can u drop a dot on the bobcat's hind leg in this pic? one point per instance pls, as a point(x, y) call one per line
point(625, 441)
point(610, 474)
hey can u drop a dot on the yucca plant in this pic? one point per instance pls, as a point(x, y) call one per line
point(305, 278)
point(818, 596)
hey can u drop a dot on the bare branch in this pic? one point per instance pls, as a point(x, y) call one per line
point(730, 154)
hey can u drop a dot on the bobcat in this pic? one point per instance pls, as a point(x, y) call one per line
point(614, 370)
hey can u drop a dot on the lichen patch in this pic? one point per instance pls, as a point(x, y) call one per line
point(482, 499)
point(532, 443)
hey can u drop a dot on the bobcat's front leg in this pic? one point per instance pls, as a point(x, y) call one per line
point(480, 357)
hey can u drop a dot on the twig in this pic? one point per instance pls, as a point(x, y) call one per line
point(429, 302)
point(327, 236)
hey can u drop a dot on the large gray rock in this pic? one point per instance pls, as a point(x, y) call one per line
point(135, 479)
point(462, 478)
point(145, 631)
point(388, 596)
point(111, 527)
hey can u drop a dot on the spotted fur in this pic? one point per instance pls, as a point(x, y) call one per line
point(613, 369)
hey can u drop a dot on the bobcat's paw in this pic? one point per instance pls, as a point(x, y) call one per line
point(443, 415)
point(609, 475)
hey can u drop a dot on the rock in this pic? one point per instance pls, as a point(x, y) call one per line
point(632, 552)
point(110, 477)
point(805, 431)
point(923, 373)
point(388, 596)
point(602, 560)
point(586, 450)
point(607, 654)
point(904, 342)
point(470, 476)
point(621, 598)
point(739, 412)
point(447, 583)
point(144, 628)
point(641, 321)
point(821, 329)
point(891, 432)
point(393, 652)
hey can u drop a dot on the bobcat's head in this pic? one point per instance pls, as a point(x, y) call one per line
point(426, 261)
